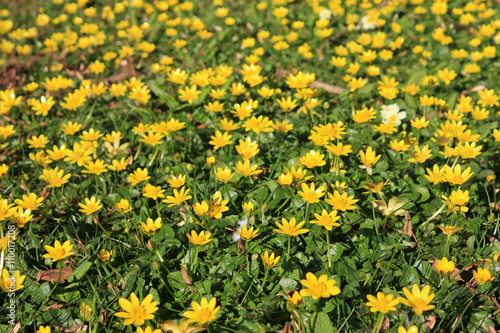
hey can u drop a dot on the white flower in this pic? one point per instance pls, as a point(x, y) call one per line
point(241, 223)
point(365, 24)
point(325, 14)
point(391, 113)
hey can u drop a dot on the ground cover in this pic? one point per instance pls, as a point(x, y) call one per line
point(233, 166)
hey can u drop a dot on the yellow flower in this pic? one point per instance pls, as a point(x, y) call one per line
point(54, 177)
point(189, 94)
point(420, 155)
point(152, 138)
point(135, 312)
point(12, 283)
point(457, 201)
point(248, 207)
point(245, 169)
point(382, 303)
point(210, 161)
point(43, 329)
point(203, 312)
point(90, 206)
point(418, 300)
point(201, 208)
point(247, 234)
point(123, 206)
point(199, 239)
point(448, 229)
point(85, 311)
point(455, 176)
point(177, 182)
point(20, 217)
point(318, 287)
point(220, 140)
point(183, 327)
point(364, 115)
point(391, 208)
point(369, 159)
point(411, 329)
point(435, 176)
point(96, 167)
point(311, 194)
point(445, 266)
point(104, 255)
point(150, 227)
point(269, 261)
point(312, 159)
point(154, 192)
point(290, 228)
point(285, 179)
point(341, 201)
point(326, 220)
point(247, 149)
point(224, 175)
point(59, 251)
point(482, 276)
point(178, 197)
point(294, 301)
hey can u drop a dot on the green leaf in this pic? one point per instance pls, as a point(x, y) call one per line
point(288, 284)
point(80, 271)
point(321, 323)
point(163, 95)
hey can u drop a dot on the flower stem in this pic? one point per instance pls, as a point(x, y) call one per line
point(379, 322)
point(289, 241)
point(263, 282)
point(328, 249)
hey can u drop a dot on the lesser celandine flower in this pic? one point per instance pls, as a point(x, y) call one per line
point(178, 198)
point(248, 207)
point(10, 283)
point(411, 329)
point(418, 300)
point(369, 159)
point(151, 227)
point(104, 255)
point(449, 230)
point(224, 175)
point(342, 201)
point(247, 234)
point(312, 159)
point(269, 260)
point(310, 194)
point(444, 266)
point(203, 312)
point(58, 251)
point(455, 176)
point(137, 313)
point(183, 327)
point(90, 206)
point(482, 276)
point(85, 311)
point(123, 206)
point(199, 239)
point(382, 303)
point(290, 228)
point(319, 287)
point(43, 329)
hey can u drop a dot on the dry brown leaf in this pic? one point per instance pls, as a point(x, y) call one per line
point(491, 329)
point(53, 306)
point(407, 229)
point(53, 274)
point(430, 322)
point(386, 324)
point(16, 328)
point(286, 329)
point(241, 246)
point(186, 279)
